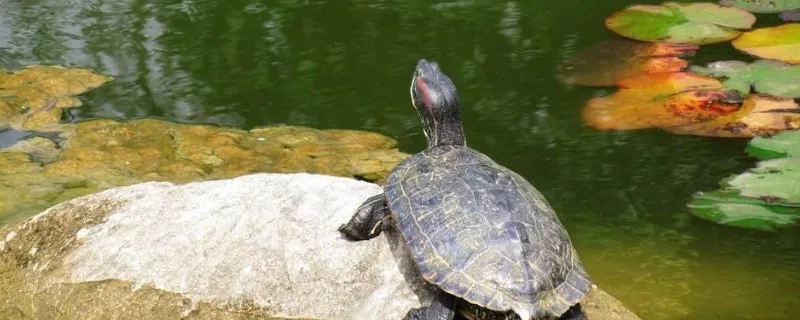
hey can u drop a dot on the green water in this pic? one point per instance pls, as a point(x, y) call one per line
point(347, 64)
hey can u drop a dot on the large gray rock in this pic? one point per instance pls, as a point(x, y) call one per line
point(257, 246)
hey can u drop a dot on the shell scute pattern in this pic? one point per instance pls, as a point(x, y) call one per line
point(481, 232)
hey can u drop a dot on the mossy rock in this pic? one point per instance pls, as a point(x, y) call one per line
point(101, 154)
point(32, 98)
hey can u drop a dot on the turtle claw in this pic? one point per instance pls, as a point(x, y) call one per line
point(415, 314)
point(353, 234)
point(441, 308)
point(428, 314)
point(365, 223)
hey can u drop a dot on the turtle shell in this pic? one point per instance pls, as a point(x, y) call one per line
point(481, 232)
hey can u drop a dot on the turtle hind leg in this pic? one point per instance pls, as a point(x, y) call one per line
point(442, 308)
point(366, 222)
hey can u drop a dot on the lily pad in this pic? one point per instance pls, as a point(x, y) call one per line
point(763, 6)
point(695, 23)
point(32, 98)
point(764, 198)
point(759, 115)
point(661, 100)
point(604, 63)
point(784, 144)
point(778, 43)
point(774, 179)
point(764, 76)
point(729, 208)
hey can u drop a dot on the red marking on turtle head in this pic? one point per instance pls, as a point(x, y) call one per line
point(423, 89)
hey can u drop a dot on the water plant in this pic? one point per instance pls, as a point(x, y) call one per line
point(658, 88)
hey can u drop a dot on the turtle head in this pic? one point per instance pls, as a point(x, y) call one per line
point(435, 97)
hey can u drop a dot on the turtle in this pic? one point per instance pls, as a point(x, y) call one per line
point(478, 232)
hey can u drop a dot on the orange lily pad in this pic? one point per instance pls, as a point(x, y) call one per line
point(779, 43)
point(759, 115)
point(661, 100)
point(604, 63)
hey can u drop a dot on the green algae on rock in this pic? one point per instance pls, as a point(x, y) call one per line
point(101, 154)
point(33, 97)
point(159, 150)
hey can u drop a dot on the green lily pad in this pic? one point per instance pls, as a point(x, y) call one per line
point(693, 23)
point(763, 6)
point(764, 76)
point(784, 144)
point(774, 179)
point(763, 198)
point(731, 209)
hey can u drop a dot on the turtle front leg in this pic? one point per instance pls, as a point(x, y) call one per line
point(442, 308)
point(366, 222)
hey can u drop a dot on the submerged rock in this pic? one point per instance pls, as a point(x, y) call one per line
point(256, 246)
point(791, 15)
point(101, 154)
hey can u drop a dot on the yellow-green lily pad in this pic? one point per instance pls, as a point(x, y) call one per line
point(693, 23)
point(780, 43)
point(763, 6)
point(764, 76)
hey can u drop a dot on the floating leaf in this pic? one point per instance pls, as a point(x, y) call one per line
point(661, 100)
point(697, 23)
point(763, 6)
point(791, 15)
point(604, 63)
point(764, 198)
point(765, 76)
point(779, 43)
point(759, 115)
point(784, 144)
point(774, 180)
point(729, 208)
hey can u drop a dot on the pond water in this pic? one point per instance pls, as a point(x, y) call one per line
point(347, 64)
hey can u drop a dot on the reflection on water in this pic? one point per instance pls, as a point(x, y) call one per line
point(347, 64)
